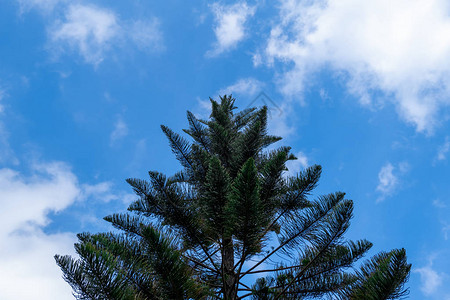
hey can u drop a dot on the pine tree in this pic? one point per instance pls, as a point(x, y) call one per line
point(231, 225)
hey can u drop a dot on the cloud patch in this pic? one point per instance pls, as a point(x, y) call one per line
point(88, 30)
point(443, 150)
point(244, 87)
point(430, 279)
point(26, 251)
point(26, 254)
point(388, 179)
point(93, 31)
point(229, 26)
point(397, 50)
point(119, 132)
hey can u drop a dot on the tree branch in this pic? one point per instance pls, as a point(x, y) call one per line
point(286, 242)
point(274, 270)
point(308, 264)
point(200, 264)
point(245, 296)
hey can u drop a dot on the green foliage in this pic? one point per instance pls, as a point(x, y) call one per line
point(232, 213)
point(382, 277)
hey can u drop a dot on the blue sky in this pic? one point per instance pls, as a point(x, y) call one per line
point(361, 88)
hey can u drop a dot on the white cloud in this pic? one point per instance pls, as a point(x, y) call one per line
point(430, 279)
point(443, 150)
point(295, 166)
point(388, 179)
point(29, 271)
point(229, 25)
point(87, 29)
point(119, 132)
point(245, 87)
point(93, 31)
point(26, 254)
point(399, 48)
point(28, 200)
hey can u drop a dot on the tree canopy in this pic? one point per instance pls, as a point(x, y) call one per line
point(232, 224)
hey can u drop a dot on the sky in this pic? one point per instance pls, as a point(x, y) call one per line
point(359, 87)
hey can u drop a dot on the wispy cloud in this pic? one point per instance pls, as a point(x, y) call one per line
point(203, 108)
point(102, 191)
point(229, 25)
point(445, 229)
point(45, 6)
point(388, 179)
point(147, 35)
point(429, 277)
point(397, 49)
point(243, 87)
point(93, 31)
point(443, 150)
point(88, 30)
point(439, 204)
point(119, 132)
point(7, 155)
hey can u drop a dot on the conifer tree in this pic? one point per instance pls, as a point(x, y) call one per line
point(231, 225)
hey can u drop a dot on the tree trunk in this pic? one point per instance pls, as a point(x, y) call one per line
point(229, 275)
